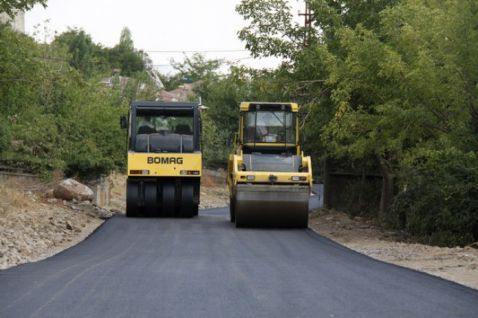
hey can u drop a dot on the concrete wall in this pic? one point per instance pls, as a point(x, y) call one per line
point(18, 23)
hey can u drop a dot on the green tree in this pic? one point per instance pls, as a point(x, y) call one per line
point(197, 68)
point(385, 83)
point(82, 50)
point(270, 30)
point(10, 7)
point(52, 117)
point(126, 40)
point(4, 134)
point(125, 57)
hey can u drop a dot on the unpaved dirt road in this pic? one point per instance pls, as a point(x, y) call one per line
point(204, 267)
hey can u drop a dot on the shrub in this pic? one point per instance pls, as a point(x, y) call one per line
point(439, 201)
point(4, 134)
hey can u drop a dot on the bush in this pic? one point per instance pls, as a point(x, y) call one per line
point(4, 134)
point(439, 202)
point(214, 144)
point(52, 117)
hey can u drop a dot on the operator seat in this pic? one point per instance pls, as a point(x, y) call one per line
point(183, 129)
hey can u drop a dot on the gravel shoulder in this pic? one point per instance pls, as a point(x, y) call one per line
point(34, 226)
point(458, 264)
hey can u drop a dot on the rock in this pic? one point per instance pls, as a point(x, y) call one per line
point(70, 189)
point(52, 200)
point(49, 194)
point(68, 225)
point(103, 213)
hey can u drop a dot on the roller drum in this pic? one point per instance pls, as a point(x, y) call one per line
point(132, 199)
point(232, 212)
point(151, 207)
point(187, 200)
point(168, 199)
point(276, 206)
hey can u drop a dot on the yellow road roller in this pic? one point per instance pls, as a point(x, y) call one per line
point(269, 178)
point(164, 159)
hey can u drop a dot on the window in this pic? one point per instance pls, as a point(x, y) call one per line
point(165, 131)
point(269, 127)
point(151, 123)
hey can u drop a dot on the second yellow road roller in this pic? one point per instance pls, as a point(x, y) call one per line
point(269, 177)
point(164, 159)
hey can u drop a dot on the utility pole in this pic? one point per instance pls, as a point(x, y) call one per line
point(307, 22)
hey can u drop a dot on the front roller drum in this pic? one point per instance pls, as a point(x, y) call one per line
point(275, 206)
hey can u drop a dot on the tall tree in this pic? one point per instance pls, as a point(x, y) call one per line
point(125, 57)
point(126, 40)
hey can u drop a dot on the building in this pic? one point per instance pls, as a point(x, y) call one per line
point(17, 23)
point(181, 94)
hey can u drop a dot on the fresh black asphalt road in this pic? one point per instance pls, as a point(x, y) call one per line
point(204, 267)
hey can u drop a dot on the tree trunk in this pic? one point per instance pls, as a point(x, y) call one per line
point(387, 189)
point(361, 204)
point(327, 184)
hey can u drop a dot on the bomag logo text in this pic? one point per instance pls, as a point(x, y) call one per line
point(165, 160)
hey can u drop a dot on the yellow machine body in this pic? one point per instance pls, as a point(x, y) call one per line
point(269, 177)
point(164, 165)
point(164, 159)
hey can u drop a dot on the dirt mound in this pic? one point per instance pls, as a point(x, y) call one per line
point(362, 235)
point(33, 227)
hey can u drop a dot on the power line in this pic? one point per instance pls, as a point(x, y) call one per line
point(229, 60)
point(194, 51)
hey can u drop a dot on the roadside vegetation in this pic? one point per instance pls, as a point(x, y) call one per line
point(387, 87)
point(55, 112)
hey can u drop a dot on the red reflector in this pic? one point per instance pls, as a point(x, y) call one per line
point(190, 172)
point(139, 172)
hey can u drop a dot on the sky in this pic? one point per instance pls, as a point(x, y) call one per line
point(162, 25)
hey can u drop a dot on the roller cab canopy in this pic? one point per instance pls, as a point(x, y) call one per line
point(269, 126)
point(159, 127)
